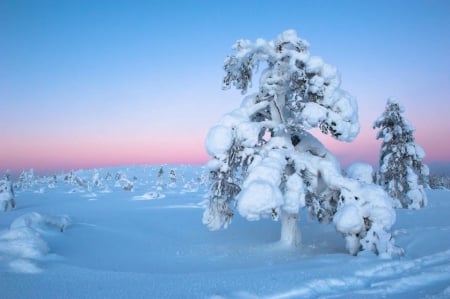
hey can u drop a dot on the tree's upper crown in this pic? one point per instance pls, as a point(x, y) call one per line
point(305, 89)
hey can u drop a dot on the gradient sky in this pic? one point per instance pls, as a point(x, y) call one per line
point(103, 83)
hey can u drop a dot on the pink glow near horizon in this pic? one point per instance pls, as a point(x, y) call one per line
point(58, 154)
point(65, 154)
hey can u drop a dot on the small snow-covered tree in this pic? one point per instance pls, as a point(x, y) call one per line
point(265, 163)
point(96, 179)
point(402, 173)
point(123, 182)
point(439, 181)
point(172, 178)
point(26, 180)
point(7, 193)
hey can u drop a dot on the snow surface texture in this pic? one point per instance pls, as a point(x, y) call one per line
point(118, 247)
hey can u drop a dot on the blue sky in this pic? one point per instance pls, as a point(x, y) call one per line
point(100, 83)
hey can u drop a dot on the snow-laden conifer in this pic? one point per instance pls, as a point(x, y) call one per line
point(265, 163)
point(402, 173)
point(7, 196)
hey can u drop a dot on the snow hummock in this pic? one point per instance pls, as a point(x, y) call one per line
point(149, 196)
point(23, 244)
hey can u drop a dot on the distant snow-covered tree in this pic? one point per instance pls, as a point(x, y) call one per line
point(7, 197)
point(402, 173)
point(73, 178)
point(160, 179)
point(123, 182)
point(108, 176)
point(172, 178)
point(26, 180)
point(439, 181)
point(96, 179)
point(265, 163)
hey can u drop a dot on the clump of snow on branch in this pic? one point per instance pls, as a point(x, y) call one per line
point(261, 195)
point(361, 171)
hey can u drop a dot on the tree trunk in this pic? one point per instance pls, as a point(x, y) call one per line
point(290, 232)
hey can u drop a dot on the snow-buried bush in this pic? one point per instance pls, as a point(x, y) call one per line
point(22, 244)
point(365, 215)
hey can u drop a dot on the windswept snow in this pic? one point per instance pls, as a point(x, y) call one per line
point(58, 244)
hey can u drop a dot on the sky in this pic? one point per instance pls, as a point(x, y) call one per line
point(88, 84)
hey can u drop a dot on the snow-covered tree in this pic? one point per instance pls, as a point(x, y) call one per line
point(439, 181)
point(96, 179)
point(402, 173)
point(172, 178)
point(123, 182)
point(26, 180)
point(265, 163)
point(7, 193)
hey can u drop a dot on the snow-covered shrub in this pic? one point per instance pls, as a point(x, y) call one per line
point(264, 162)
point(40, 222)
point(73, 178)
point(365, 216)
point(23, 242)
point(52, 181)
point(96, 179)
point(7, 199)
point(123, 182)
point(108, 176)
point(402, 173)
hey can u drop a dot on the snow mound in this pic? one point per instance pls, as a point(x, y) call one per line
point(41, 223)
point(22, 245)
point(149, 196)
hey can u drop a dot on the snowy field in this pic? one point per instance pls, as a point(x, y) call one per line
point(88, 237)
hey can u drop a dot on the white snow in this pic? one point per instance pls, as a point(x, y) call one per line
point(362, 172)
point(149, 196)
point(117, 247)
point(259, 198)
point(348, 219)
point(219, 140)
